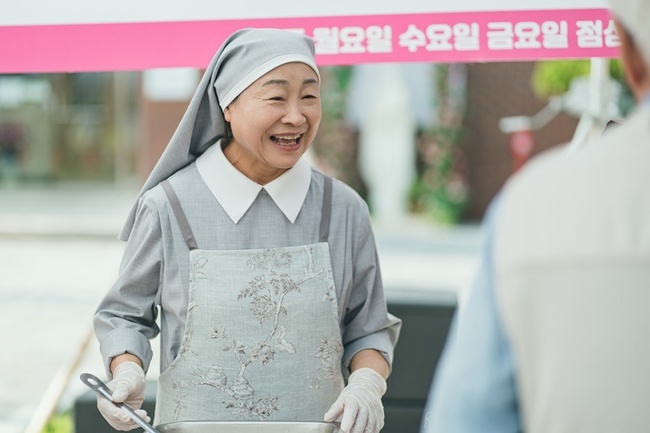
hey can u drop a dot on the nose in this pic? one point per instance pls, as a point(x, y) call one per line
point(294, 115)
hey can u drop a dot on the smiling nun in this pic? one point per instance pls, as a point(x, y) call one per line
point(263, 270)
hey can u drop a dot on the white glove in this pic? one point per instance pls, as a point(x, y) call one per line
point(128, 387)
point(360, 403)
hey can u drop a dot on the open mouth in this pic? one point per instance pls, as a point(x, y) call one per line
point(287, 140)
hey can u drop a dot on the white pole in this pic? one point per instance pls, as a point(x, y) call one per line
point(594, 119)
point(48, 404)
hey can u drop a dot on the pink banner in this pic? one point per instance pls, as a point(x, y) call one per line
point(340, 40)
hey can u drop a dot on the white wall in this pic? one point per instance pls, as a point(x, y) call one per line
point(32, 12)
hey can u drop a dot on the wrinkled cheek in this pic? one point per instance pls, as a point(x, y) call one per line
point(314, 124)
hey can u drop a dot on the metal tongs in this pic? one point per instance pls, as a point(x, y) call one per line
point(100, 388)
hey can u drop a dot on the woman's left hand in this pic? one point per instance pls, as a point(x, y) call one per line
point(359, 406)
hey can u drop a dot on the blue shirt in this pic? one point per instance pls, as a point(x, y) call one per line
point(474, 386)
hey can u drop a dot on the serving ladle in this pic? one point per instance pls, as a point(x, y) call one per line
point(100, 388)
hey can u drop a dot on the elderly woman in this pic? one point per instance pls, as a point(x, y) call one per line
point(264, 270)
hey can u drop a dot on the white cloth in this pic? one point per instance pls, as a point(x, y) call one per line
point(572, 271)
point(553, 335)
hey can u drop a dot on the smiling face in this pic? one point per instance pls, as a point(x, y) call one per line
point(274, 121)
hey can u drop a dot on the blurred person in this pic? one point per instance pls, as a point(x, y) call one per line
point(554, 336)
point(264, 270)
point(388, 104)
point(11, 146)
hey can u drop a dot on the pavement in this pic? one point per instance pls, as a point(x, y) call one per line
point(59, 254)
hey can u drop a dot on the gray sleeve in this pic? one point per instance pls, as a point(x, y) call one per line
point(367, 323)
point(125, 320)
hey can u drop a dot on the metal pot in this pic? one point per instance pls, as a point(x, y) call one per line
point(246, 427)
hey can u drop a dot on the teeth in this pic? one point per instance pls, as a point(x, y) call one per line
point(288, 137)
point(286, 140)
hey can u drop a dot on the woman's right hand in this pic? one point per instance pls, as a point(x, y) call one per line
point(127, 386)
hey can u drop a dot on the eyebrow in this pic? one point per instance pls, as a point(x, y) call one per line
point(285, 82)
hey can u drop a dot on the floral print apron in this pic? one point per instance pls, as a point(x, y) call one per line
point(262, 338)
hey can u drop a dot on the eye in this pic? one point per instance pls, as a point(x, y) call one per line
point(310, 97)
point(276, 98)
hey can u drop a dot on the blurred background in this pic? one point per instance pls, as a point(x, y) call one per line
point(422, 143)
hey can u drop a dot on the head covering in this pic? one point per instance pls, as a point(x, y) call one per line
point(244, 57)
point(635, 17)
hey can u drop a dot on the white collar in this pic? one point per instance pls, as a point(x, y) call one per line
point(236, 193)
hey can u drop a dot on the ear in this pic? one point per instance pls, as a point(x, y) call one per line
point(638, 69)
point(227, 114)
point(637, 72)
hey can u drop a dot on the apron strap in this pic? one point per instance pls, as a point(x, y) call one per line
point(180, 215)
point(327, 210)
